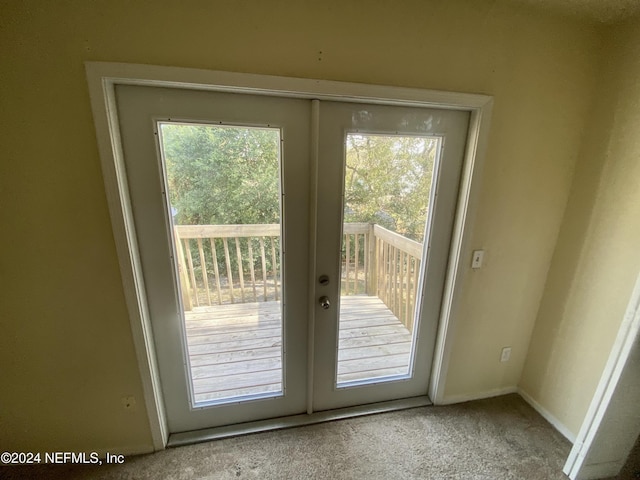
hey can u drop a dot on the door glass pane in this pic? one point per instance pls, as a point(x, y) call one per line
point(223, 187)
point(388, 181)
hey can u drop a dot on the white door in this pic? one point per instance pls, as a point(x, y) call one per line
point(219, 191)
point(200, 165)
point(388, 181)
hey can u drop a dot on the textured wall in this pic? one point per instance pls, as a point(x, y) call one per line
point(597, 259)
point(66, 348)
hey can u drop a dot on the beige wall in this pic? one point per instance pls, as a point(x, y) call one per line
point(66, 348)
point(597, 258)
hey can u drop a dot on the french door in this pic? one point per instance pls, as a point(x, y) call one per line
point(264, 236)
point(397, 170)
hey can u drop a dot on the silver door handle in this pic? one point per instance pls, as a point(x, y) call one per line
point(324, 302)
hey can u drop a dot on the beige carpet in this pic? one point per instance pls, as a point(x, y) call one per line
point(499, 438)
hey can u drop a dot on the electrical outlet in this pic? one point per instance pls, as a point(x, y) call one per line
point(506, 354)
point(129, 403)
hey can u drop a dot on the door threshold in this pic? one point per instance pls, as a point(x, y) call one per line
point(216, 433)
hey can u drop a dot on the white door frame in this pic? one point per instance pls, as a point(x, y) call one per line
point(103, 77)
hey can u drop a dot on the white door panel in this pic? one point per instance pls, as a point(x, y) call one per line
point(382, 379)
point(140, 109)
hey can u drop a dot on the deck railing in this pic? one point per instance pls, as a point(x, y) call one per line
point(252, 274)
point(397, 260)
point(375, 261)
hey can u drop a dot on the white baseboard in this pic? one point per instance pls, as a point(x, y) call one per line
point(467, 397)
point(557, 424)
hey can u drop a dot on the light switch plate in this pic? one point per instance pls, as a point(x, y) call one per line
point(476, 259)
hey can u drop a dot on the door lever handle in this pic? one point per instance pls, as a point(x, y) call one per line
point(324, 302)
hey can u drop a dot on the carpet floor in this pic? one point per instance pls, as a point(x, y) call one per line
point(497, 438)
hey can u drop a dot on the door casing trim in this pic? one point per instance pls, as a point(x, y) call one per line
point(103, 77)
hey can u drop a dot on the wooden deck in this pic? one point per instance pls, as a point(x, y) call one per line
point(236, 349)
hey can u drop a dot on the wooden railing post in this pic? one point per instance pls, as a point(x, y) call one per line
point(185, 289)
point(372, 281)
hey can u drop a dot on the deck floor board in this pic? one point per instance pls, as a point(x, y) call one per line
point(235, 349)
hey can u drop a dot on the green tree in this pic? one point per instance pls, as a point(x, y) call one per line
point(222, 175)
point(230, 175)
point(388, 181)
